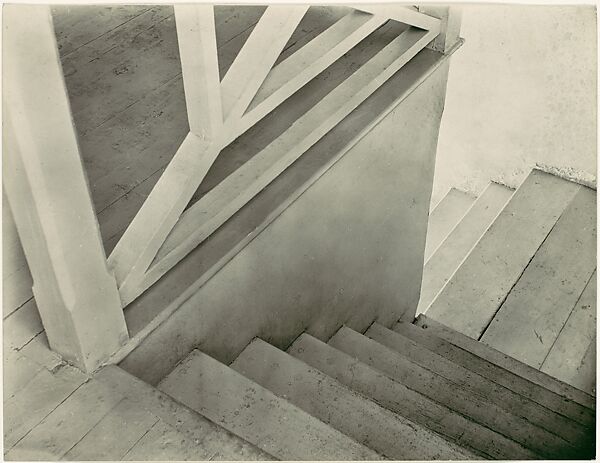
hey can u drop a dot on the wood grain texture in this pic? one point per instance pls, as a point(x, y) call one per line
point(255, 414)
point(568, 357)
point(537, 307)
point(468, 306)
point(405, 401)
point(456, 247)
point(444, 217)
point(508, 363)
point(428, 339)
point(323, 397)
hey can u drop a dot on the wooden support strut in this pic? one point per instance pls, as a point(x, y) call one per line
point(48, 193)
point(219, 113)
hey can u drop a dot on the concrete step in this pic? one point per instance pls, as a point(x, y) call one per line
point(507, 363)
point(211, 441)
point(565, 360)
point(444, 391)
point(514, 382)
point(459, 242)
point(255, 414)
point(325, 398)
point(406, 402)
point(538, 306)
point(571, 431)
point(444, 217)
point(469, 300)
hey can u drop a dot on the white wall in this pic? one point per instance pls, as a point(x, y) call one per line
point(521, 91)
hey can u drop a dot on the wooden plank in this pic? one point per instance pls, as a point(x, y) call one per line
point(17, 372)
point(508, 363)
point(565, 358)
point(232, 193)
point(78, 25)
point(459, 242)
point(536, 309)
point(114, 435)
point(22, 326)
point(403, 14)
point(257, 56)
point(256, 414)
point(498, 260)
point(72, 282)
point(36, 400)
point(444, 217)
point(67, 424)
point(585, 379)
point(358, 417)
point(164, 443)
point(198, 53)
point(132, 61)
point(38, 350)
point(206, 434)
point(507, 378)
point(306, 63)
point(144, 236)
point(406, 402)
point(480, 386)
point(401, 369)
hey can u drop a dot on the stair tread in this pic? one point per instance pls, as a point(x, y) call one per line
point(350, 413)
point(446, 214)
point(460, 240)
point(515, 404)
point(549, 286)
point(442, 390)
point(406, 402)
point(504, 361)
point(527, 219)
point(213, 440)
point(256, 414)
point(497, 374)
point(565, 360)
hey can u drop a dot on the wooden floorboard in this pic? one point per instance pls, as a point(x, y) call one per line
point(537, 307)
point(566, 359)
point(34, 402)
point(119, 431)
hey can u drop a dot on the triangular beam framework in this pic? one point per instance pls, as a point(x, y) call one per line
point(160, 235)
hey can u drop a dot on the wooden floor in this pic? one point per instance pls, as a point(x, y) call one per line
point(123, 76)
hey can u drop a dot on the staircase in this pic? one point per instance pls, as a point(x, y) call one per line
point(461, 382)
point(402, 394)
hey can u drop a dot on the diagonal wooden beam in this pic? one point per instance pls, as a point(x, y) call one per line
point(257, 56)
point(200, 68)
point(305, 64)
point(403, 14)
point(219, 204)
point(137, 247)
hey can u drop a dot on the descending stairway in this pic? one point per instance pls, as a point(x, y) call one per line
point(405, 394)
point(431, 389)
point(523, 280)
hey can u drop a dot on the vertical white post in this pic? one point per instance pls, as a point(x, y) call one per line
point(450, 27)
point(48, 193)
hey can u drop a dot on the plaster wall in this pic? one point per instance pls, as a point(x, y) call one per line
point(521, 91)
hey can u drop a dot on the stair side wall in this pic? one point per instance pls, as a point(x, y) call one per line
point(349, 250)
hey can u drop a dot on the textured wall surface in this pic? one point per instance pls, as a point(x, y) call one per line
point(521, 91)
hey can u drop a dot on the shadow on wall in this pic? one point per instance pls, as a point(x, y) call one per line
point(521, 91)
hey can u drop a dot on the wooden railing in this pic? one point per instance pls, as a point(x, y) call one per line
point(75, 285)
point(162, 233)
